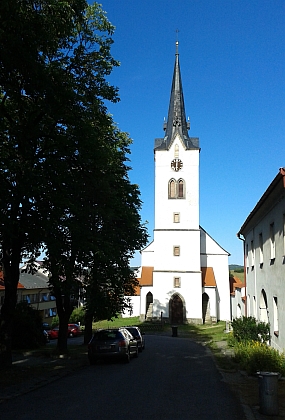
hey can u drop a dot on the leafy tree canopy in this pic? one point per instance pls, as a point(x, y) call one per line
point(63, 171)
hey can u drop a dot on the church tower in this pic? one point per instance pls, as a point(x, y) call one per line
point(177, 266)
point(183, 275)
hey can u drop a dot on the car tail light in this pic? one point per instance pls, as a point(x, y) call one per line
point(122, 343)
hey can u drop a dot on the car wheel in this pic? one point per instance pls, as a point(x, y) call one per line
point(137, 352)
point(127, 357)
point(140, 349)
point(70, 335)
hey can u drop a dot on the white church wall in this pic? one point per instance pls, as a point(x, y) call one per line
point(221, 272)
point(188, 242)
point(163, 289)
point(213, 255)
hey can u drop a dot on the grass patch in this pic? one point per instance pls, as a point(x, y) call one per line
point(116, 322)
point(240, 276)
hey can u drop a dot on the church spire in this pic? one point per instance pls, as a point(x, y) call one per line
point(176, 121)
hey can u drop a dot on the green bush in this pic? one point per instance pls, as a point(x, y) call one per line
point(255, 356)
point(55, 321)
point(247, 329)
point(27, 330)
point(77, 316)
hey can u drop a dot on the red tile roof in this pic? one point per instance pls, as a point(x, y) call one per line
point(235, 283)
point(2, 285)
point(208, 277)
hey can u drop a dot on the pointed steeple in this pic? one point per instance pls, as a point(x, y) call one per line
point(176, 121)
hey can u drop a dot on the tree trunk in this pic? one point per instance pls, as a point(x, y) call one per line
point(63, 311)
point(62, 333)
point(11, 262)
point(88, 327)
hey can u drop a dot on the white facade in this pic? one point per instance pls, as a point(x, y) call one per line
point(184, 274)
point(264, 247)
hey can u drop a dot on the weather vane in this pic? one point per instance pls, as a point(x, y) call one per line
point(177, 32)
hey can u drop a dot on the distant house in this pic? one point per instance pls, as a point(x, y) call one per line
point(34, 289)
point(263, 233)
point(237, 291)
point(2, 289)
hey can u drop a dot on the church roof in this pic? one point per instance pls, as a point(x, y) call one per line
point(176, 120)
point(146, 276)
point(208, 277)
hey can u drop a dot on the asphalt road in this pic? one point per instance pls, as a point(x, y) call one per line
point(173, 378)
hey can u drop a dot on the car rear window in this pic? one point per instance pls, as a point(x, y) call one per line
point(107, 335)
point(133, 331)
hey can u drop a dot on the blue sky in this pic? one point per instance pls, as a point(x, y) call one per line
point(232, 59)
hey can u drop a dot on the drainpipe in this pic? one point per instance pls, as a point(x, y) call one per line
point(244, 269)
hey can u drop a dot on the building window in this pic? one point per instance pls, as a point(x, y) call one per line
point(177, 282)
point(272, 242)
point(180, 188)
point(246, 256)
point(176, 217)
point(176, 151)
point(260, 239)
point(248, 306)
point(176, 189)
point(172, 189)
point(176, 251)
point(44, 297)
point(252, 254)
point(254, 307)
point(275, 316)
point(27, 299)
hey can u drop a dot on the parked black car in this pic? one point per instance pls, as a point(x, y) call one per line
point(138, 335)
point(112, 343)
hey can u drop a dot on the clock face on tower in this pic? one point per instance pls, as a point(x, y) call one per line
point(176, 164)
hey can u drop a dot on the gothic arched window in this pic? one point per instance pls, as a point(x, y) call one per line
point(181, 188)
point(176, 189)
point(172, 189)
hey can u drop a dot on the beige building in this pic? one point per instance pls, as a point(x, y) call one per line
point(34, 289)
point(263, 233)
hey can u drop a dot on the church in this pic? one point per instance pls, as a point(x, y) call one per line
point(184, 275)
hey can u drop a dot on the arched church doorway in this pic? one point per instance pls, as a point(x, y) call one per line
point(263, 308)
point(176, 310)
point(149, 302)
point(206, 309)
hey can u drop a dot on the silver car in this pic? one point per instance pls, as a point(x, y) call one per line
point(112, 343)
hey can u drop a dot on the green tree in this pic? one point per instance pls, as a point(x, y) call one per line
point(58, 148)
